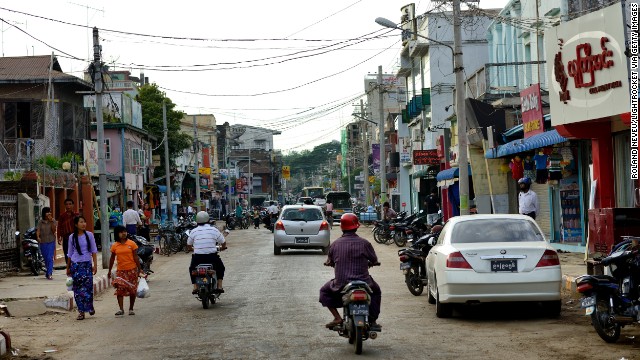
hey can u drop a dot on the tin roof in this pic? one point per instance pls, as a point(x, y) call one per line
point(34, 69)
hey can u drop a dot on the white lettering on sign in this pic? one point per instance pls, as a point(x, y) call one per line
point(529, 102)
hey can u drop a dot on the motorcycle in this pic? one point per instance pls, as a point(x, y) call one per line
point(207, 282)
point(614, 301)
point(231, 221)
point(356, 297)
point(413, 264)
point(182, 233)
point(145, 252)
point(32, 252)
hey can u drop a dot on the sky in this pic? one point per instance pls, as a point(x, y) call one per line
point(288, 65)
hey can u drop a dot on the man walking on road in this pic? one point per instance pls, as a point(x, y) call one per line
point(66, 226)
point(131, 219)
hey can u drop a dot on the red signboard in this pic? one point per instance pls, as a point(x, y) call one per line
point(426, 157)
point(532, 121)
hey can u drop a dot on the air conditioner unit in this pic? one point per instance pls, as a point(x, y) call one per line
point(416, 135)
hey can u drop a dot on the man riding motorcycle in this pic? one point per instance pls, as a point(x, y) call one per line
point(351, 256)
point(204, 240)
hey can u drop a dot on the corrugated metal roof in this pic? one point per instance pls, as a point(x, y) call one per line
point(25, 69)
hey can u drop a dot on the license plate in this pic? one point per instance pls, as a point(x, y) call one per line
point(588, 302)
point(359, 309)
point(504, 265)
point(201, 281)
point(405, 265)
point(302, 240)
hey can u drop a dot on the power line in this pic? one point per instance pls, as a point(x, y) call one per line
point(323, 19)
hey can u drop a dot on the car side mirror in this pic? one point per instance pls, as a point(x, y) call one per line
point(432, 241)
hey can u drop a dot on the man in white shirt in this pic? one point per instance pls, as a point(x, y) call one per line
point(273, 211)
point(527, 199)
point(204, 240)
point(131, 219)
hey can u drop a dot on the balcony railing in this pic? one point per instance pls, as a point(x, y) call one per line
point(506, 78)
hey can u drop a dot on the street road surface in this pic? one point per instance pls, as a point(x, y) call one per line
point(270, 311)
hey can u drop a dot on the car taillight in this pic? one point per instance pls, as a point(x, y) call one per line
point(279, 225)
point(549, 258)
point(359, 295)
point(404, 258)
point(457, 261)
point(324, 226)
point(584, 287)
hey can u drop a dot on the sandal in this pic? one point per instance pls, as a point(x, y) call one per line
point(80, 316)
point(120, 313)
point(92, 312)
point(333, 324)
point(131, 312)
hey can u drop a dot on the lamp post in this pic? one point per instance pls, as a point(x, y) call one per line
point(463, 163)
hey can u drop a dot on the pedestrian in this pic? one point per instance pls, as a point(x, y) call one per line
point(256, 217)
point(147, 214)
point(131, 219)
point(388, 213)
point(82, 264)
point(527, 199)
point(127, 271)
point(432, 206)
point(65, 227)
point(46, 235)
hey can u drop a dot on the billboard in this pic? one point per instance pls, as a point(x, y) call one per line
point(375, 153)
point(286, 172)
point(91, 156)
point(531, 107)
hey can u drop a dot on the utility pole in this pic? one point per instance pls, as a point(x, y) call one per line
point(196, 166)
point(102, 171)
point(167, 171)
point(458, 68)
point(365, 145)
point(383, 160)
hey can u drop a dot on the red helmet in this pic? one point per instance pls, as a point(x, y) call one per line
point(349, 222)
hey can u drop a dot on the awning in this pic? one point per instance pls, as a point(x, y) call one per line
point(547, 138)
point(449, 176)
point(162, 188)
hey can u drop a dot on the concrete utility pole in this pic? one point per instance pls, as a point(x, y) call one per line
point(383, 160)
point(365, 145)
point(167, 171)
point(196, 166)
point(102, 170)
point(458, 68)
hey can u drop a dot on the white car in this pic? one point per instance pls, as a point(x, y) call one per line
point(301, 227)
point(493, 258)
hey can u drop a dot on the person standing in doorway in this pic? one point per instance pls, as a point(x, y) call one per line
point(527, 199)
point(46, 235)
point(432, 206)
point(131, 219)
point(65, 227)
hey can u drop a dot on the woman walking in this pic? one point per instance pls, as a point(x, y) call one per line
point(82, 265)
point(47, 235)
point(128, 269)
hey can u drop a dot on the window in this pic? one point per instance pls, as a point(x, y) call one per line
point(107, 149)
point(135, 158)
point(494, 230)
point(143, 158)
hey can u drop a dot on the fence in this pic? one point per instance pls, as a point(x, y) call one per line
point(9, 249)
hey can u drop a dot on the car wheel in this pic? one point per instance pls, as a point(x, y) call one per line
point(552, 308)
point(443, 311)
point(276, 249)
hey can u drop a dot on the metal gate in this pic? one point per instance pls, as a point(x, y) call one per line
point(9, 251)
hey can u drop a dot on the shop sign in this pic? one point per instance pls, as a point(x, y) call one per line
point(286, 172)
point(589, 75)
point(405, 156)
point(426, 157)
point(531, 106)
point(204, 171)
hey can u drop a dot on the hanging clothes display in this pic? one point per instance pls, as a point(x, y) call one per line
point(529, 168)
point(541, 167)
point(517, 170)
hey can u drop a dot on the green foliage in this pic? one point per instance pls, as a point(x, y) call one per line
point(150, 98)
point(55, 163)
point(12, 175)
point(306, 162)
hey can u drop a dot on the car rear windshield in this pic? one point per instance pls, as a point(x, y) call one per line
point(494, 230)
point(302, 214)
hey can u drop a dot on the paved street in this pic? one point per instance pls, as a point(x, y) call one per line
point(270, 310)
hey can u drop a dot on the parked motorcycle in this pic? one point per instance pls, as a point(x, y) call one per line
point(614, 301)
point(413, 264)
point(182, 233)
point(231, 222)
point(31, 249)
point(356, 327)
point(167, 239)
point(145, 252)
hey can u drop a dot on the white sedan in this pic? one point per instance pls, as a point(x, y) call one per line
point(492, 258)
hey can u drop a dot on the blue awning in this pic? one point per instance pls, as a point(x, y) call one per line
point(547, 138)
point(162, 188)
point(451, 173)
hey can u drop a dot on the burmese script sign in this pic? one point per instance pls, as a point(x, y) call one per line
point(531, 104)
point(588, 77)
point(426, 157)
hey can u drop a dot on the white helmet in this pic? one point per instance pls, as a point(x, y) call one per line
point(202, 217)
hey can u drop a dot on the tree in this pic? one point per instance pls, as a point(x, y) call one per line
point(151, 98)
point(308, 162)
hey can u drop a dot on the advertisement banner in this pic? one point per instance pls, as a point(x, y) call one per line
point(286, 172)
point(426, 157)
point(243, 183)
point(375, 152)
point(531, 107)
point(91, 156)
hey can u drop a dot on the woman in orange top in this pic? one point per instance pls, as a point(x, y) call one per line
point(128, 271)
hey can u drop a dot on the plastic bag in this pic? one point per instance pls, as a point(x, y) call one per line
point(69, 283)
point(143, 289)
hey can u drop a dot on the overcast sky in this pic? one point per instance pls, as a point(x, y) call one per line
point(321, 79)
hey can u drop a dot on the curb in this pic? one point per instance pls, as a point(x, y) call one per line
point(5, 343)
point(65, 301)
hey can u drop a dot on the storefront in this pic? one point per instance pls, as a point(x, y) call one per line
point(448, 180)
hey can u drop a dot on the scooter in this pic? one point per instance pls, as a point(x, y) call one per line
point(31, 249)
point(145, 253)
point(413, 264)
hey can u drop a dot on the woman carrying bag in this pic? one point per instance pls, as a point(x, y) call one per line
point(128, 270)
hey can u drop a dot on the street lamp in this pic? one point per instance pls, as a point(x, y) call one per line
point(458, 67)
